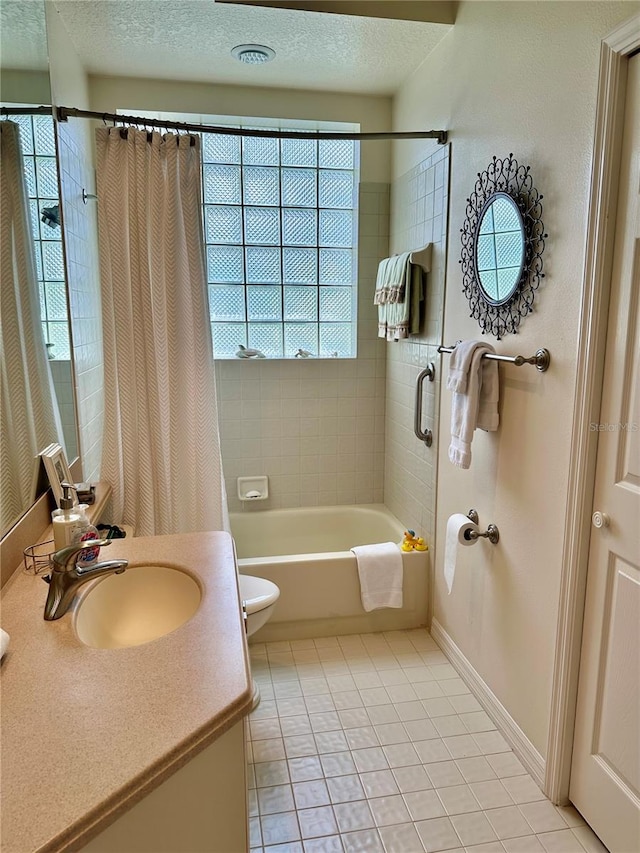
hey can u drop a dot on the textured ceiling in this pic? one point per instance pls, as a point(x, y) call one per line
point(192, 39)
point(23, 40)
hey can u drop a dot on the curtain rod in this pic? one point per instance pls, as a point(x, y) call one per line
point(65, 113)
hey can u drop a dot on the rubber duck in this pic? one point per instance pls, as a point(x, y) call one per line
point(420, 545)
point(408, 543)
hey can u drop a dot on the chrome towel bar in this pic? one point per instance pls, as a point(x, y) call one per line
point(542, 358)
point(423, 435)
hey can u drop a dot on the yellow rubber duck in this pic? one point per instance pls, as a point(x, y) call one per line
point(411, 542)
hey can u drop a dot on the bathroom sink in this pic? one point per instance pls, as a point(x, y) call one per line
point(144, 603)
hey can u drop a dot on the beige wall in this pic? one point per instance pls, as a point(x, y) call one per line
point(69, 87)
point(521, 78)
point(373, 113)
point(24, 87)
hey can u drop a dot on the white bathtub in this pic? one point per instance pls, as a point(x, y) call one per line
point(306, 553)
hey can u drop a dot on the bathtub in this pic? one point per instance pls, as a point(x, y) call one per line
point(306, 553)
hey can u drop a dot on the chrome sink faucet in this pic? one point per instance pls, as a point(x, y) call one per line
point(66, 577)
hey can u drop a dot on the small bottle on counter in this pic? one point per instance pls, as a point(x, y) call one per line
point(67, 520)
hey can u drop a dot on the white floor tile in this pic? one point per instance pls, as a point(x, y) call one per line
point(542, 816)
point(401, 754)
point(328, 844)
point(305, 769)
point(338, 764)
point(325, 721)
point(423, 805)
point(354, 718)
point(353, 816)
point(310, 794)
point(372, 743)
point(491, 794)
point(458, 799)
point(388, 733)
point(523, 789)
point(381, 714)
point(561, 841)
point(437, 834)
point(364, 841)
point(379, 783)
point(317, 822)
point(413, 778)
point(443, 774)
point(473, 828)
point(292, 726)
point(278, 828)
point(331, 742)
point(345, 789)
point(523, 844)
point(371, 758)
point(475, 769)
point(276, 798)
point(389, 810)
point(507, 822)
point(401, 838)
point(362, 737)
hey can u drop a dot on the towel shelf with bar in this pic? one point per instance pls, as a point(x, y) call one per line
point(423, 435)
point(542, 358)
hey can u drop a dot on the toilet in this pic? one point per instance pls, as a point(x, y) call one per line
point(259, 597)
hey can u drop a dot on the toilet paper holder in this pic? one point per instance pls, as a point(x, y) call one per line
point(491, 533)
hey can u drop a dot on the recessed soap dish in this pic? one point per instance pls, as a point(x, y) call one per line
point(253, 488)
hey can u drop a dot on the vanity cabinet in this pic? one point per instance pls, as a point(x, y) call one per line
point(201, 808)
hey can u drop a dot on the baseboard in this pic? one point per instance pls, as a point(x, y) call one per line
point(511, 731)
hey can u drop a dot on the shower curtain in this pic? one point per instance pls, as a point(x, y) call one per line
point(29, 417)
point(161, 448)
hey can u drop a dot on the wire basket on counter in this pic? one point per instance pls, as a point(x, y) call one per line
point(37, 558)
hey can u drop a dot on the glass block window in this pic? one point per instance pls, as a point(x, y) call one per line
point(41, 172)
point(281, 238)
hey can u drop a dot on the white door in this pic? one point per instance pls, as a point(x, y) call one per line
point(605, 771)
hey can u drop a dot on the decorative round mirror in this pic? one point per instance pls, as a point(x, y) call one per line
point(502, 245)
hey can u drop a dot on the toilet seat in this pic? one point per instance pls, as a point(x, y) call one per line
point(257, 593)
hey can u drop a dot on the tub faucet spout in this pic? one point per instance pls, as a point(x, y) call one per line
point(66, 577)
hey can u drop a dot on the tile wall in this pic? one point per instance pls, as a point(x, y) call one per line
point(315, 428)
point(81, 255)
point(62, 374)
point(419, 203)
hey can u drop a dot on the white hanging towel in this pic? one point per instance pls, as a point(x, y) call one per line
point(475, 385)
point(380, 572)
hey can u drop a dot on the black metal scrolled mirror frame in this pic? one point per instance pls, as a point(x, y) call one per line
point(503, 176)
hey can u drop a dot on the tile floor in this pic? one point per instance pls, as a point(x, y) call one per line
point(373, 743)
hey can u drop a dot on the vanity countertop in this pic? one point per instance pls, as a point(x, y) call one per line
point(86, 732)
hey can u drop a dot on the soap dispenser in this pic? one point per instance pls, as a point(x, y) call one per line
point(66, 521)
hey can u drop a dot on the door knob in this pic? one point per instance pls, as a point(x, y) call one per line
point(600, 519)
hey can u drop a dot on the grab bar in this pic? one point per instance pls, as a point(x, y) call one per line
point(423, 435)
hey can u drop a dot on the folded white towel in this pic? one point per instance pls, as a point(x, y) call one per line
point(4, 642)
point(460, 364)
point(477, 406)
point(380, 572)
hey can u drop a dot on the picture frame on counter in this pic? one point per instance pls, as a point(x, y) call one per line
point(57, 468)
